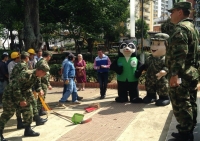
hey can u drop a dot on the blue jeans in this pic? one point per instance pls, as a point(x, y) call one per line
point(3, 84)
point(103, 81)
point(69, 89)
point(64, 89)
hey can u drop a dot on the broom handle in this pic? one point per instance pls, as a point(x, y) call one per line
point(46, 107)
point(63, 115)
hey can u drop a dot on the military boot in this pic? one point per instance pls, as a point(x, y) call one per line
point(1, 136)
point(39, 120)
point(41, 112)
point(20, 124)
point(150, 98)
point(183, 136)
point(28, 132)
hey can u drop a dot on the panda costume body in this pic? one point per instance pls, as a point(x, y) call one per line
point(125, 66)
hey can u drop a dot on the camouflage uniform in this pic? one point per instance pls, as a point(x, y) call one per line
point(167, 27)
point(17, 91)
point(180, 58)
point(44, 81)
point(22, 66)
point(153, 65)
point(152, 84)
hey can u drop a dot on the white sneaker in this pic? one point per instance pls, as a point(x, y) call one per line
point(61, 105)
point(76, 102)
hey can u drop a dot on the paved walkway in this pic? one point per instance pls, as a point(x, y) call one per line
point(112, 122)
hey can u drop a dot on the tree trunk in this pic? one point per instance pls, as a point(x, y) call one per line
point(32, 36)
point(47, 45)
point(20, 40)
point(106, 45)
point(12, 38)
point(90, 42)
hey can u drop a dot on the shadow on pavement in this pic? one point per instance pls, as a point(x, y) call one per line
point(196, 132)
point(115, 108)
point(15, 138)
point(166, 127)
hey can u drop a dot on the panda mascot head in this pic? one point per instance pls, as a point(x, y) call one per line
point(127, 49)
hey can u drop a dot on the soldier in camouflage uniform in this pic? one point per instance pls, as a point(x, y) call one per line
point(22, 66)
point(17, 93)
point(155, 80)
point(180, 60)
point(167, 27)
point(44, 80)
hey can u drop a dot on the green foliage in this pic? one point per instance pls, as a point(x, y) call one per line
point(55, 71)
point(138, 29)
point(91, 74)
point(101, 18)
point(11, 14)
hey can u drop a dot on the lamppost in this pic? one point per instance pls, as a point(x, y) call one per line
point(142, 56)
point(132, 25)
point(132, 18)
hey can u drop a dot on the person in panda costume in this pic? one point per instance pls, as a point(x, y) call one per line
point(155, 80)
point(125, 66)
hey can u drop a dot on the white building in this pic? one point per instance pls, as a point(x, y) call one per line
point(160, 10)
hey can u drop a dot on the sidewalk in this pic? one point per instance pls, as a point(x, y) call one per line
point(112, 122)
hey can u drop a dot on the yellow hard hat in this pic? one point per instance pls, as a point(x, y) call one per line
point(31, 51)
point(14, 55)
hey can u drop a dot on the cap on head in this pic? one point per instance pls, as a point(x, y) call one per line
point(160, 37)
point(46, 53)
point(14, 55)
point(31, 51)
point(25, 54)
point(43, 66)
point(67, 54)
point(182, 5)
point(5, 54)
point(71, 56)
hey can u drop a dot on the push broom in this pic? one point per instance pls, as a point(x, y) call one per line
point(76, 118)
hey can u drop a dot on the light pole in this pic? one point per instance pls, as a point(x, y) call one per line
point(142, 56)
point(132, 18)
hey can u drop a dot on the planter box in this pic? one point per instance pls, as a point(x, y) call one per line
point(94, 85)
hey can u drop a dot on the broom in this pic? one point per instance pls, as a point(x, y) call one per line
point(76, 118)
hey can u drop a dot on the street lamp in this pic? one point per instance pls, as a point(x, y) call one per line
point(142, 56)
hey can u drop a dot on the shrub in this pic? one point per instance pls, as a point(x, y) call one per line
point(91, 74)
point(55, 71)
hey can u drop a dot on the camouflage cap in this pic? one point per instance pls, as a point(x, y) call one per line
point(25, 53)
point(43, 66)
point(47, 53)
point(160, 37)
point(182, 5)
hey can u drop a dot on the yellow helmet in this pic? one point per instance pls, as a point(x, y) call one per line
point(14, 55)
point(31, 51)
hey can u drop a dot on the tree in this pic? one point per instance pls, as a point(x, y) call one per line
point(101, 17)
point(11, 14)
point(138, 29)
point(32, 36)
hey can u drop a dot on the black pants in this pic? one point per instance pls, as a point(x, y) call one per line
point(103, 81)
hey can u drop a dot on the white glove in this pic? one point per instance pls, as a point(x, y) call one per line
point(161, 74)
